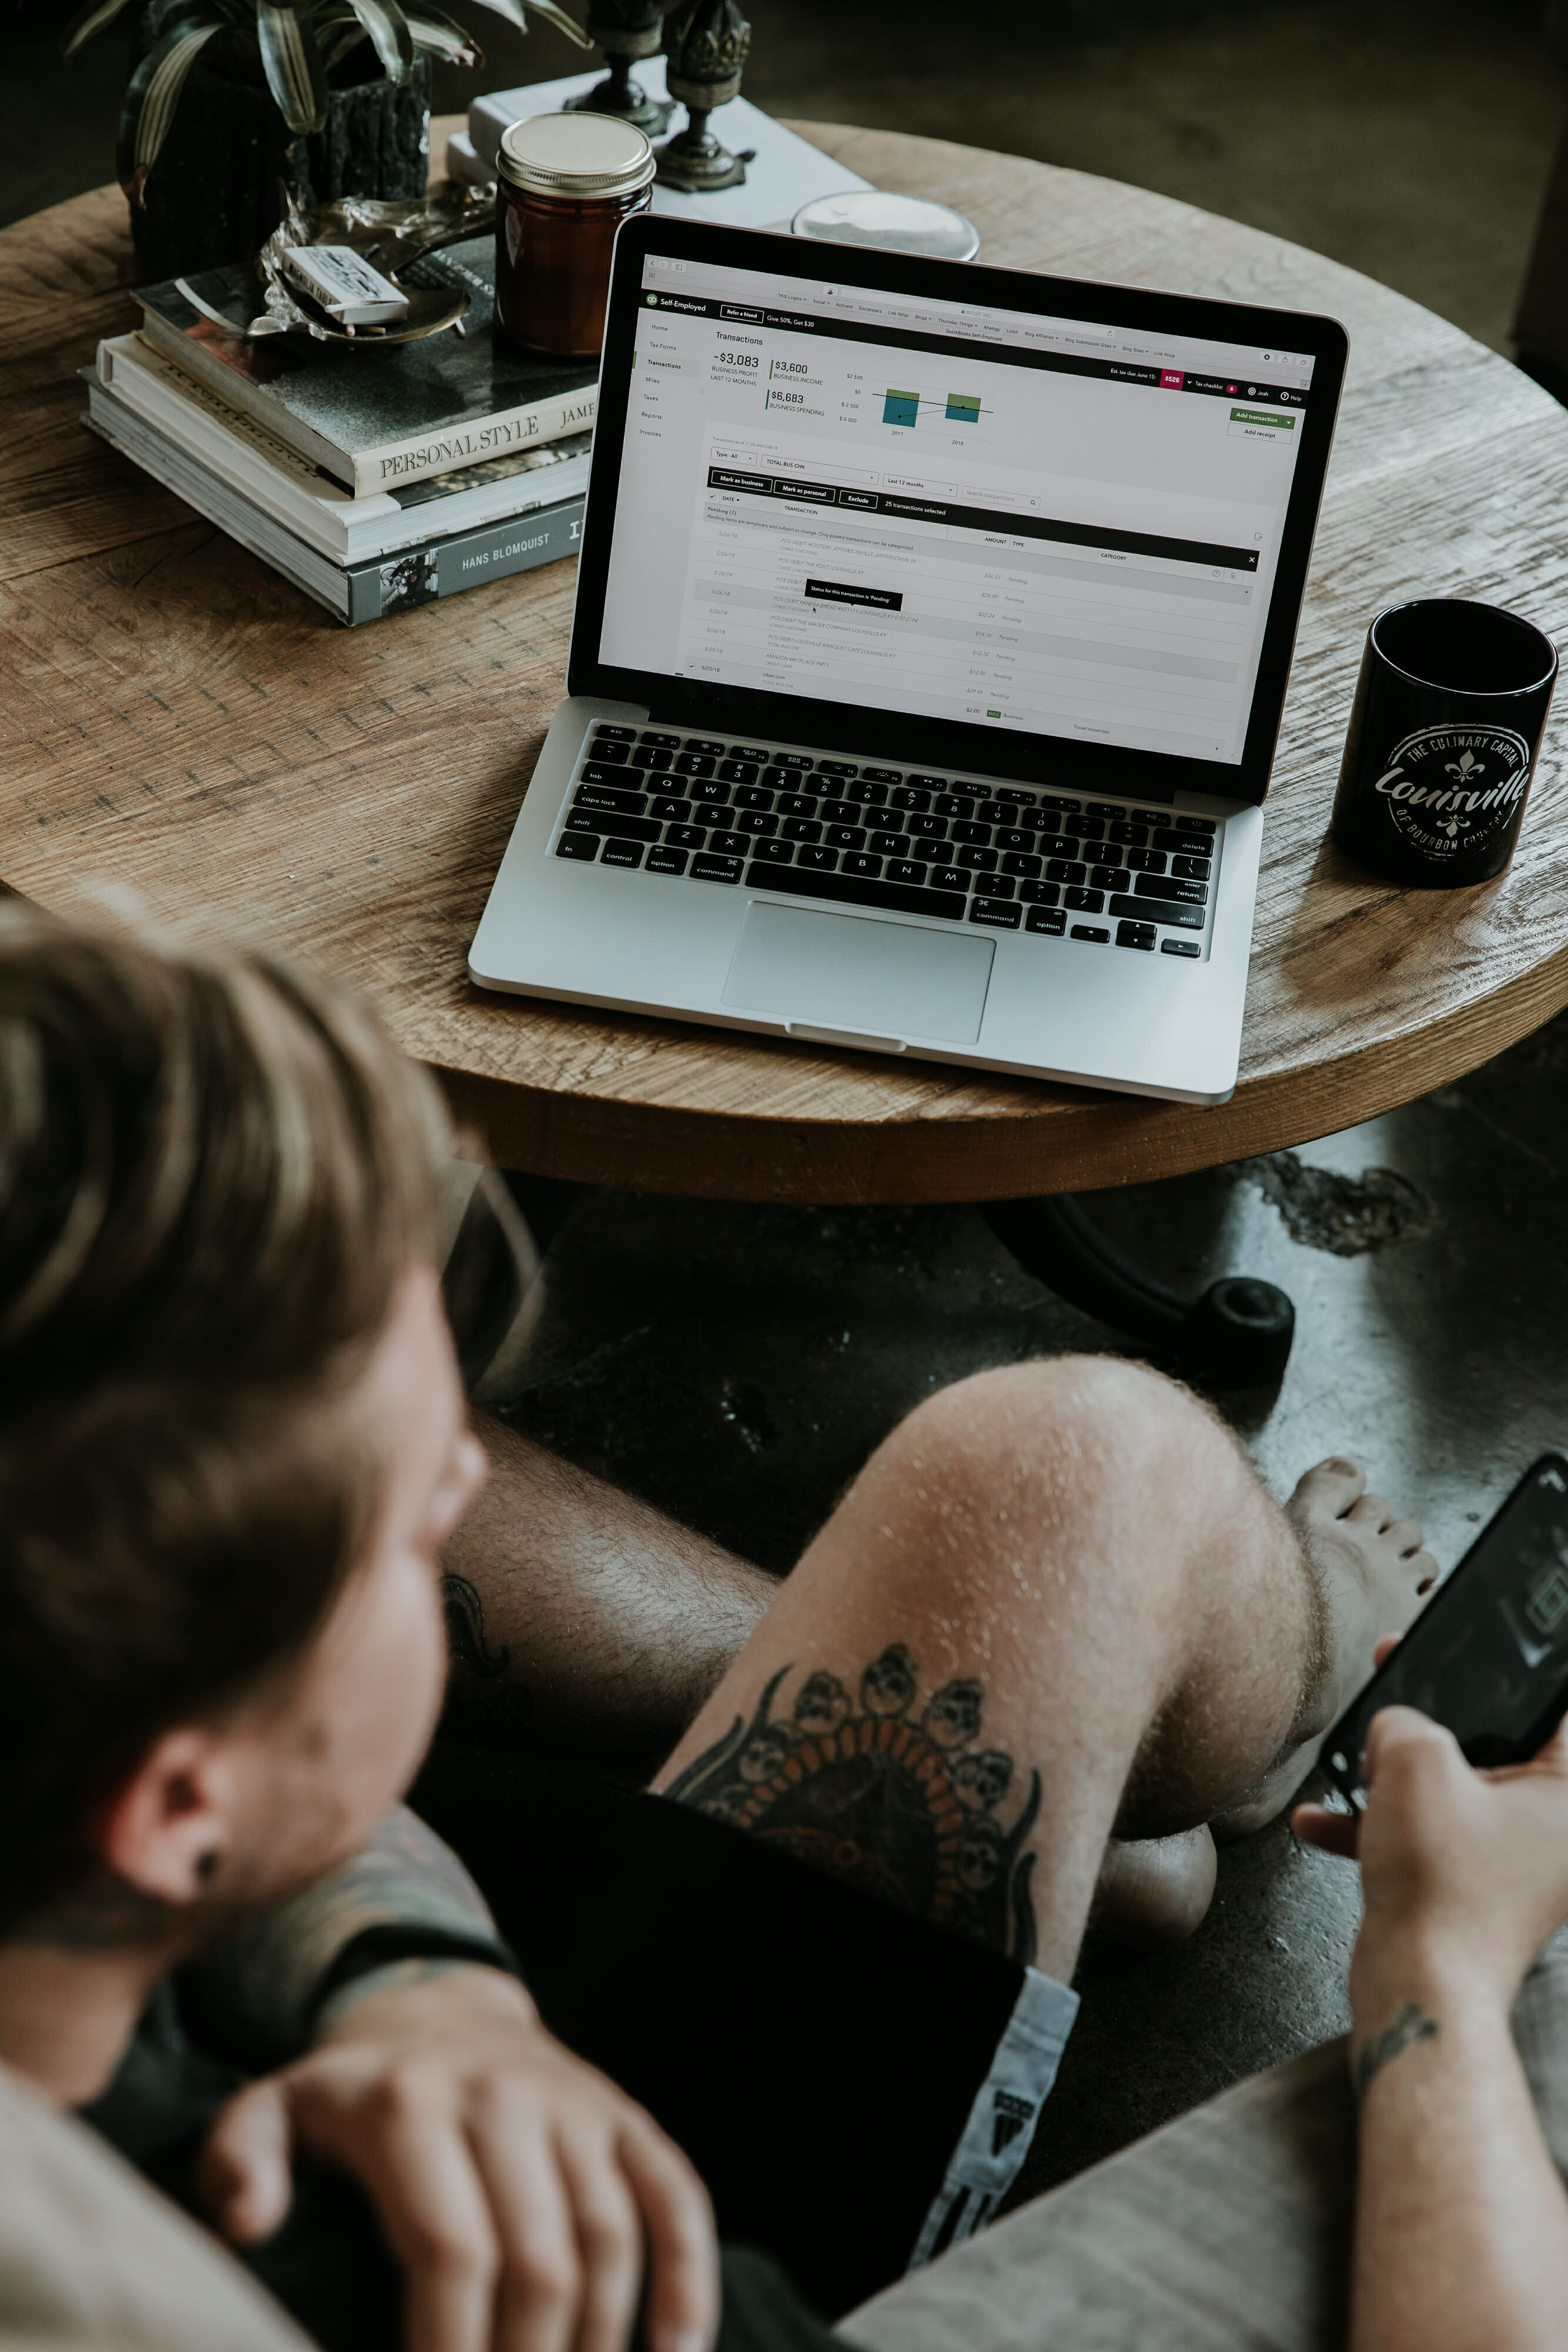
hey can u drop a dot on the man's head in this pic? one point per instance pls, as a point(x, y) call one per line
point(231, 1435)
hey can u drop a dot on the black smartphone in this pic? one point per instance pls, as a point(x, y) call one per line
point(1488, 1656)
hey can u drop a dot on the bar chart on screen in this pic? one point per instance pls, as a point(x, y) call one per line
point(904, 409)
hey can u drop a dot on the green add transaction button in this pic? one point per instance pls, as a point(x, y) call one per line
point(1263, 416)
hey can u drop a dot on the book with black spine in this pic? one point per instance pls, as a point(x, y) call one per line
point(442, 565)
point(371, 415)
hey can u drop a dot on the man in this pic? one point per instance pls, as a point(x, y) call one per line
point(830, 1954)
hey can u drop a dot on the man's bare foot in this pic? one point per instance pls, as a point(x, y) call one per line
point(1373, 1574)
point(1155, 1891)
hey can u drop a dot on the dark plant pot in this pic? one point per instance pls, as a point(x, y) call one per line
point(213, 194)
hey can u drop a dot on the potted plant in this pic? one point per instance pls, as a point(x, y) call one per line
point(230, 97)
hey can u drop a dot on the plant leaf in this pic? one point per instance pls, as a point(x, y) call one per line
point(291, 61)
point(515, 12)
point(152, 95)
point(390, 37)
point(88, 21)
point(436, 33)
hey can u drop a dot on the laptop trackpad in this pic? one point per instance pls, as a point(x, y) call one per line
point(840, 971)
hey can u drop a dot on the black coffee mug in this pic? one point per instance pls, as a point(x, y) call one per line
point(1449, 709)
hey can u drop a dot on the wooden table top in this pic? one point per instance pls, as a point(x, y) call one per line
point(178, 719)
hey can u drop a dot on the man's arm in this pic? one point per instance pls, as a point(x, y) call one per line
point(1461, 2218)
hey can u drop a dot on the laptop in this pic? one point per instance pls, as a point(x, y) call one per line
point(931, 633)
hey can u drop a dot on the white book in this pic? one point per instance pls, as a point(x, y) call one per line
point(787, 173)
point(286, 486)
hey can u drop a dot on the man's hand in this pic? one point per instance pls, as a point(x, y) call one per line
point(534, 2206)
point(1465, 1873)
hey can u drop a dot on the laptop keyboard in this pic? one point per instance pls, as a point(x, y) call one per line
point(687, 807)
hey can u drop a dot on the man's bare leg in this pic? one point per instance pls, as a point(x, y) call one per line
point(1055, 1607)
point(610, 1622)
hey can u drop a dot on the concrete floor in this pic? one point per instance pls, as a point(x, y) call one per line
point(736, 1365)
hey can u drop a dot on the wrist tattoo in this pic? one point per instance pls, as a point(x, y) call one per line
point(1413, 2024)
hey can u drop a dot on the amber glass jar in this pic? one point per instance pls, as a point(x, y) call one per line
point(564, 184)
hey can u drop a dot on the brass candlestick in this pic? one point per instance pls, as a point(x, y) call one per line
point(626, 30)
point(707, 49)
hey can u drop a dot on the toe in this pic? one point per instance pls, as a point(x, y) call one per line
point(1372, 1512)
point(1331, 1487)
point(1424, 1568)
point(1405, 1536)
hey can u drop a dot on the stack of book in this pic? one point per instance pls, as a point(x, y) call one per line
point(374, 478)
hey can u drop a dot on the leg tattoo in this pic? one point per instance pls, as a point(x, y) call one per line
point(466, 1634)
point(897, 1798)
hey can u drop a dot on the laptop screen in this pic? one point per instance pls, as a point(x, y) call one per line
point(949, 512)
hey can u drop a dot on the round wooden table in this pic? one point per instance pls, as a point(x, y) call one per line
point(179, 720)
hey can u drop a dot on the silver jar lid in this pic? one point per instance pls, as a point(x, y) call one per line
point(576, 155)
point(897, 224)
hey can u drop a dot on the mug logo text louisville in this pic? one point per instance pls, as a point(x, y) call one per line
point(1450, 789)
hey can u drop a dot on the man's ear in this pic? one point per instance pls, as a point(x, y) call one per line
point(167, 1830)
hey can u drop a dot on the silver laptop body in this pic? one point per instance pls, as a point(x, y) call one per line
point(931, 633)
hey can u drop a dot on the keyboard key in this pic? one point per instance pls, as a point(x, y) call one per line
point(867, 868)
point(620, 780)
point(614, 734)
point(1136, 837)
point(685, 836)
point(1026, 867)
point(928, 828)
point(905, 869)
point(839, 813)
point(1110, 877)
point(817, 861)
point(1001, 913)
point(752, 756)
point(959, 804)
point(695, 763)
point(700, 743)
point(774, 853)
point(1065, 848)
point(866, 796)
point(1013, 797)
point(1194, 869)
point(1054, 801)
point(837, 767)
point(1087, 902)
point(977, 861)
point(846, 836)
point(582, 845)
point(605, 747)
point(802, 804)
point(1014, 836)
point(1151, 816)
point(1172, 836)
point(1180, 947)
point(907, 797)
point(927, 783)
point(800, 828)
point(1041, 894)
point(1042, 919)
point(797, 760)
point(750, 796)
point(664, 742)
point(738, 772)
point(950, 877)
point(666, 861)
point(729, 845)
point(1146, 861)
point(995, 885)
point(1198, 823)
point(710, 791)
point(600, 797)
point(882, 776)
point(1066, 869)
point(1135, 935)
point(1162, 886)
point(756, 821)
point(894, 898)
point(995, 812)
point(671, 812)
point(715, 869)
point(1089, 931)
point(622, 853)
point(1106, 809)
point(1090, 828)
point(627, 828)
point(651, 755)
point(962, 831)
point(1048, 821)
point(1156, 910)
point(889, 844)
